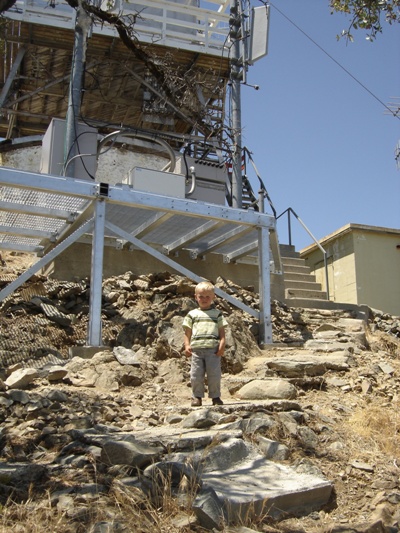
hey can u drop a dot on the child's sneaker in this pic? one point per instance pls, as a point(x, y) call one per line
point(196, 402)
point(217, 401)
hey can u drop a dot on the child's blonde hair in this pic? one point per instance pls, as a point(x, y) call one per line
point(204, 286)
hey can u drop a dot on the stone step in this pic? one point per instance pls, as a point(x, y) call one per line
point(245, 491)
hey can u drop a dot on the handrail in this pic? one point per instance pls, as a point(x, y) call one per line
point(289, 210)
point(203, 28)
point(262, 193)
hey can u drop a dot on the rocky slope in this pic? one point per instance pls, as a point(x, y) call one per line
point(322, 402)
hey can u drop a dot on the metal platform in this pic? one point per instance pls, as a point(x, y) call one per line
point(45, 214)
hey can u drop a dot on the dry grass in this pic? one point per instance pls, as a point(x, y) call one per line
point(385, 341)
point(379, 426)
point(124, 508)
point(33, 518)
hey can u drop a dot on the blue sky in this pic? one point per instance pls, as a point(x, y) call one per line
point(324, 145)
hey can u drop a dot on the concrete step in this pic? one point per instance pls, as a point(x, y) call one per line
point(306, 294)
point(295, 276)
point(296, 269)
point(362, 311)
point(292, 261)
point(288, 250)
point(304, 285)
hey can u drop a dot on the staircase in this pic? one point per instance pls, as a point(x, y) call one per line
point(301, 287)
point(249, 200)
point(299, 283)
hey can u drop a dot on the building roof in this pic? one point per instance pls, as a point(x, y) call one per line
point(344, 230)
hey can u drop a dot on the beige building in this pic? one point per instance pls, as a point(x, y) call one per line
point(363, 264)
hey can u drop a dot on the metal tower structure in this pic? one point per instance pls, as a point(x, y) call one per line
point(156, 70)
point(164, 69)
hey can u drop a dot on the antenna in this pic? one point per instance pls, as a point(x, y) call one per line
point(259, 33)
point(393, 108)
point(241, 58)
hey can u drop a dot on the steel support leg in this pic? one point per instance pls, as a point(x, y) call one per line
point(264, 286)
point(96, 278)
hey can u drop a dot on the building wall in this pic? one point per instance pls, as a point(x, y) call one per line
point(343, 278)
point(75, 262)
point(27, 158)
point(113, 165)
point(378, 270)
point(341, 269)
point(363, 266)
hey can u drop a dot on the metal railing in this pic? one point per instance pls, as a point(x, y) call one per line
point(290, 212)
point(190, 25)
point(262, 190)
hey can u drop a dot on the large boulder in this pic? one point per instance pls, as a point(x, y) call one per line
point(266, 389)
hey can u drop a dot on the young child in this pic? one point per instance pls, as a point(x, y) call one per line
point(204, 340)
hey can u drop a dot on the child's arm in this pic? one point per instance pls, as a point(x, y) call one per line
point(186, 340)
point(221, 346)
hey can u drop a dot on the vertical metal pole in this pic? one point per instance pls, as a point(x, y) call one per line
point(236, 77)
point(261, 201)
point(96, 278)
point(82, 27)
point(326, 275)
point(264, 282)
point(289, 227)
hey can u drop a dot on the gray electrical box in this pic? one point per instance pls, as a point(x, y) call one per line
point(211, 192)
point(157, 182)
point(52, 160)
point(211, 179)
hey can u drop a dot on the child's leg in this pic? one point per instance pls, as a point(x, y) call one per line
point(213, 369)
point(197, 375)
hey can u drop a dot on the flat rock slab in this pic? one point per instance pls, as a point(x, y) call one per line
point(308, 363)
point(190, 439)
point(259, 486)
point(173, 437)
point(20, 474)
